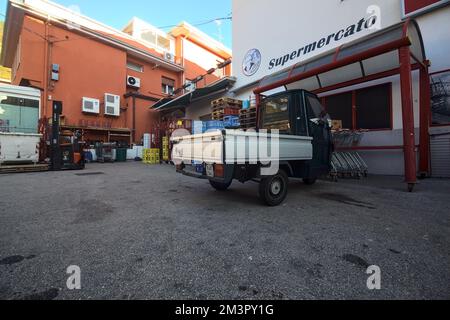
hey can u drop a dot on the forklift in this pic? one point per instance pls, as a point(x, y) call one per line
point(66, 147)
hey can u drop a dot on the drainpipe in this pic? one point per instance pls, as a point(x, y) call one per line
point(133, 132)
point(408, 118)
point(46, 69)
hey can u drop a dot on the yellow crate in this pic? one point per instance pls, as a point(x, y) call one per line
point(165, 149)
point(151, 156)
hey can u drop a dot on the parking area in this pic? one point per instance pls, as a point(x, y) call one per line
point(145, 232)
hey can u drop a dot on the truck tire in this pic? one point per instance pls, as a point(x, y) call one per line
point(309, 181)
point(273, 190)
point(219, 186)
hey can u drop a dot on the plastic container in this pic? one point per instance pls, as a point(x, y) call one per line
point(151, 156)
point(88, 156)
point(198, 127)
point(214, 125)
point(231, 122)
point(121, 155)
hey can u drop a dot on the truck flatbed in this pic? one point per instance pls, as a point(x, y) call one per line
point(302, 150)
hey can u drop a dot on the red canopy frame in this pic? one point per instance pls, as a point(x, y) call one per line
point(408, 35)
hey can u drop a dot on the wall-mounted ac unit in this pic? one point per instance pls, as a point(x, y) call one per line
point(133, 82)
point(169, 57)
point(90, 105)
point(112, 105)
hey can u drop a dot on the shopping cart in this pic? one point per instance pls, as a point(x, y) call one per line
point(347, 164)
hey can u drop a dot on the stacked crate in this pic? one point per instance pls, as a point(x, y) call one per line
point(151, 156)
point(225, 107)
point(247, 118)
point(165, 149)
point(231, 122)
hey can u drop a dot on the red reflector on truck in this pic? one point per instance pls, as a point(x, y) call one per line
point(219, 170)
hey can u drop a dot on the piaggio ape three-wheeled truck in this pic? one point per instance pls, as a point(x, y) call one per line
point(303, 141)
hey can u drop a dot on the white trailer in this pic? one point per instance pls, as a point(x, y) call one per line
point(19, 148)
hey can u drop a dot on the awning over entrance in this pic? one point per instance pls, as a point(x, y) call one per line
point(185, 100)
point(361, 58)
point(396, 50)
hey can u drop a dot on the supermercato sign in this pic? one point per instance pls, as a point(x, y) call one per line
point(337, 36)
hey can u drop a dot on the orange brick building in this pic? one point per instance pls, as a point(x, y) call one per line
point(83, 63)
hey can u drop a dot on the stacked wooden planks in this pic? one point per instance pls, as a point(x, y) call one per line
point(24, 168)
point(247, 118)
point(225, 107)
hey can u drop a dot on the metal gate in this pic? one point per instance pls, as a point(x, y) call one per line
point(440, 155)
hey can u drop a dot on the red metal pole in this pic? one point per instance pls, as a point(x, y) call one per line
point(258, 101)
point(408, 117)
point(425, 113)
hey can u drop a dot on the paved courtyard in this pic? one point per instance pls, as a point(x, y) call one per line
point(145, 232)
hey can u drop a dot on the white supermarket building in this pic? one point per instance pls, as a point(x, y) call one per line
point(380, 66)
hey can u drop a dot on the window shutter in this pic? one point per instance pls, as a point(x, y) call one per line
point(168, 82)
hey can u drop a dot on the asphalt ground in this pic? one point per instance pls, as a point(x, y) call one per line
point(146, 232)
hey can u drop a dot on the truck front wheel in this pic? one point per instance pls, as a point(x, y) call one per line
point(220, 186)
point(273, 190)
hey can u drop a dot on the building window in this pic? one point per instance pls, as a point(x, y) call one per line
point(135, 67)
point(156, 40)
point(168, 85)
point(368, 108)
point(340, 108)
point(18, 114)
point(149, 36)
point(373, 108)
point(163, 43)
point(440, 98)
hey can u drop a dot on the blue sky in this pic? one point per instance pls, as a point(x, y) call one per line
point(157, 12)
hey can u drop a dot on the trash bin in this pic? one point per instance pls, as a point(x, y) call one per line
point(121, 154)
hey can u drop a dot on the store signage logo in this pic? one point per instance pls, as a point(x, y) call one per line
point(252, 62)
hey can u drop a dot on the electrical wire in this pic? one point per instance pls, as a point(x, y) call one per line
point(26, 29)
point(198, 24)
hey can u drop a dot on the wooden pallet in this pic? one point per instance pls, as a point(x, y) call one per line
point(248, 123)
point(226, 100)
point(24, 168)
point(225, 112)
point(248, 112)
point(248, 118)
point(226, 107)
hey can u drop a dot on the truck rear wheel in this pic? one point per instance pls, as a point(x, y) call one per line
point(220, 186)
point(273, 190)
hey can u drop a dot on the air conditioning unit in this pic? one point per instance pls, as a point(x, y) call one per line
point(91, 105)
point(133, 82)
point(169, 57)
point(112, 105)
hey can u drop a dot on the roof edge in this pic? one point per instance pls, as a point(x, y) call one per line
point(11, 32)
